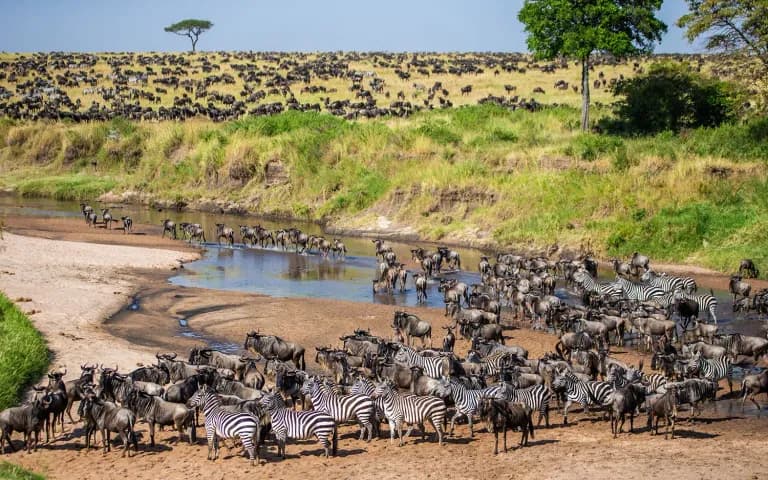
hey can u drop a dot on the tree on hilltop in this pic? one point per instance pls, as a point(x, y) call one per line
point(191, 28)
point(579, 28)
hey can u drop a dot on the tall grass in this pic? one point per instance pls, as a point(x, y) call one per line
point(23, 353)
point(516, 176)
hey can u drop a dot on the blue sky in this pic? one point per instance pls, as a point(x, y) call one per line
point(286, 25)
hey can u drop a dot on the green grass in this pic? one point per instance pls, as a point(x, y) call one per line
point(65, 187)
point(522, 178)
point(23, 353)
point(9, 471)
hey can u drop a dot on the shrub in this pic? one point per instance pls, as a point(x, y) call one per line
point(672, 97)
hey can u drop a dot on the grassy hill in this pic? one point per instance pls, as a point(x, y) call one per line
point(479, 175)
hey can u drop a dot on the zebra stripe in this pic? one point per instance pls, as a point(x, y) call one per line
point(220, 423)
point(412, 410)
point(585, 393)
point(536, 398)
point(712, 369)
point(299, 425)
point(434, 367)
point(707, 303)
point(585, 281)
point(669, 283)
point(343, 408)
point(494, 363)
point(467, 402)
point(638, 292)
point(653, 382)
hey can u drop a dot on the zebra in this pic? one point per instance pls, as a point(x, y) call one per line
point(342, 408)
point(712, 370)
point(495, 363)
point(585, 393)
point(638, 292)
point(620, 377)
point(707, 303)
point(364, 386)
point(220, 423)
point(410, 409)
point(653, 382)
point(300, 425)
point(536, 397)
point(467, 402)
point(585, 281)
point(669, 283)
point(434, 367)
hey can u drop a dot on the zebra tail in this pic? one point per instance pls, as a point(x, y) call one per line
point(335, 444)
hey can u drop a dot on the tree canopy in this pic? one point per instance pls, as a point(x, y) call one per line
point(737, 27)
point(191, 28)
point(578, 28)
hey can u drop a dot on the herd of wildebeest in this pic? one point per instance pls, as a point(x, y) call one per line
point(225, 86)
point(268, 392)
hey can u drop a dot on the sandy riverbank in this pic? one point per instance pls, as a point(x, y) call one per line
point(73, 287)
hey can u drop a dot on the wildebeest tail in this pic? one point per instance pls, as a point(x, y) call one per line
point(530, 424)
point(335, 444)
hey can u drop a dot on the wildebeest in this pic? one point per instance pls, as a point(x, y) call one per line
point(170, 227)
point(127, 224)
point(639, 260)
point(216, 359)
point(753, 385)
point(28, 419)
point(223, 231)
point(626, 400)
point(747, 265)
point(501, 415)
point(108, 418)
point(273, 346)
point(737, 288)
point(663, 406)
point(449, 340)
point(413, 326)
point(420, 281)
point(157, 411)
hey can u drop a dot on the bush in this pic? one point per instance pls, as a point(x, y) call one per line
point(9, 471)
point(672, 97)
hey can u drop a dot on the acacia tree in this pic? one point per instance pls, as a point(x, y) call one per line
point(191, 28)
point(579, 28)
point(733, 26)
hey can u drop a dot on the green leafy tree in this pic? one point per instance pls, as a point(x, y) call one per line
point(191, 28)
point(579, 28)
point(735, 27)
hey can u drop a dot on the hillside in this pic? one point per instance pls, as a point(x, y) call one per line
point(479, 175)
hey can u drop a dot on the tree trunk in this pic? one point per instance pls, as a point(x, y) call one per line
point(585, 94)
point(194, 44)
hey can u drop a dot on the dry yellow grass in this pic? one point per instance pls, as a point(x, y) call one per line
point(484, 84)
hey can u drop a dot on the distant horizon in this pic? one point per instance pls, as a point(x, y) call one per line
point(290, 26)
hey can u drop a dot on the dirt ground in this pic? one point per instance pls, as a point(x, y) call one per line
point(72, 285)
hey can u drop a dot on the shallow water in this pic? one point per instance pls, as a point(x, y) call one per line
point(280, 273)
